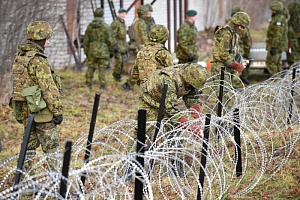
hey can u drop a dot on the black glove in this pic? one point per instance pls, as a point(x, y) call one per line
point(57, 119)
point(116, 49)
point(273, 51)
point(191, 58)
point(111, 55)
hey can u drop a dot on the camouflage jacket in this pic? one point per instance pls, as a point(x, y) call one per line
point(36, 72)
point(245, 43)
point(294, 21)
point(152, 56)
point(187, 41)
point(277, 33)
point(225, 47)
point(139, 26)
point(150, 22)
point(98, 40)
point(151, 90)
point(119, 31)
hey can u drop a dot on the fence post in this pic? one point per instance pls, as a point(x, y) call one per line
point(65, 169)
point(140, 150)
point(90, 136)
point(204, 154)
point(237, 139)
point(22, 155)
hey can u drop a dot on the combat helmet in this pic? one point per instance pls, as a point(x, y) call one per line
point(39, 30)
point(194, 75)
point(276, 6)
point(98, 12)
point(142, 10)
point(241, 19)
point(150, 8)
point(159, 33)
point(236, 9)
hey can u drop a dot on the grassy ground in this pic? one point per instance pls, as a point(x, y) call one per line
point(117, 104)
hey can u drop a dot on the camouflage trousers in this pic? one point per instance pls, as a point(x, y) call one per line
point(231, 81)
point(42, 134)
point(93, 64)
point(273, 63)
point(118, 67)
point(294, 56)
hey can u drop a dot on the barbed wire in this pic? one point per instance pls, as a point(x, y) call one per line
point(268, 130)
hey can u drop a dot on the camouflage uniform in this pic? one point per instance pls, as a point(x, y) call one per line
point(31, 68)
point(245, 43)
point(119, 30)
point(294, 32)
point(153, 55)
point(98, 45)
point(138, 36)
point(187, 49)
point(276, 38)
point(179, 78)
point(149, 19)
point(184, 80)
point(226, 50)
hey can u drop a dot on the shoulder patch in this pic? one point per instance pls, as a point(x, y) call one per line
point(41, 54)
point(279, 23)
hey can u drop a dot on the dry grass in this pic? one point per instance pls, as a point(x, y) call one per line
point(116, 104)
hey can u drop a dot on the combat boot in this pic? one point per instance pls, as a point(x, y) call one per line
point(126, 87)
point(103, 87)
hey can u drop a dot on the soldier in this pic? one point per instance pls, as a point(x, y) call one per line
point(187, 49)
point(276, 38)
point(98, 45)
point(153, 55)
point(225, 48)
point(119, 30)
point(245, 43)
point(294, 32)
point(149, 19)
point(32, 74)
point(184, 80)
point(138, 36)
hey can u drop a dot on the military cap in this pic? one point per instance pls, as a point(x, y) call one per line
point(191, 13)
point(121, 10)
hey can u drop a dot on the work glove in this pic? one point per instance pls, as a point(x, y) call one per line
point(196, 111)
point(116, 49)
point(273, 51)
point(237, 66)
point(183, 122)
point(57, 119)
point(191, 57)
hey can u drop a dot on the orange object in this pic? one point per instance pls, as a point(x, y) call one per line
point(208, 64)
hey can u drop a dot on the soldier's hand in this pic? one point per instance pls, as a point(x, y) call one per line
point(191, 58)
point(57, 119)
point(273, 51)
point(196, 111)
point(237, 66)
